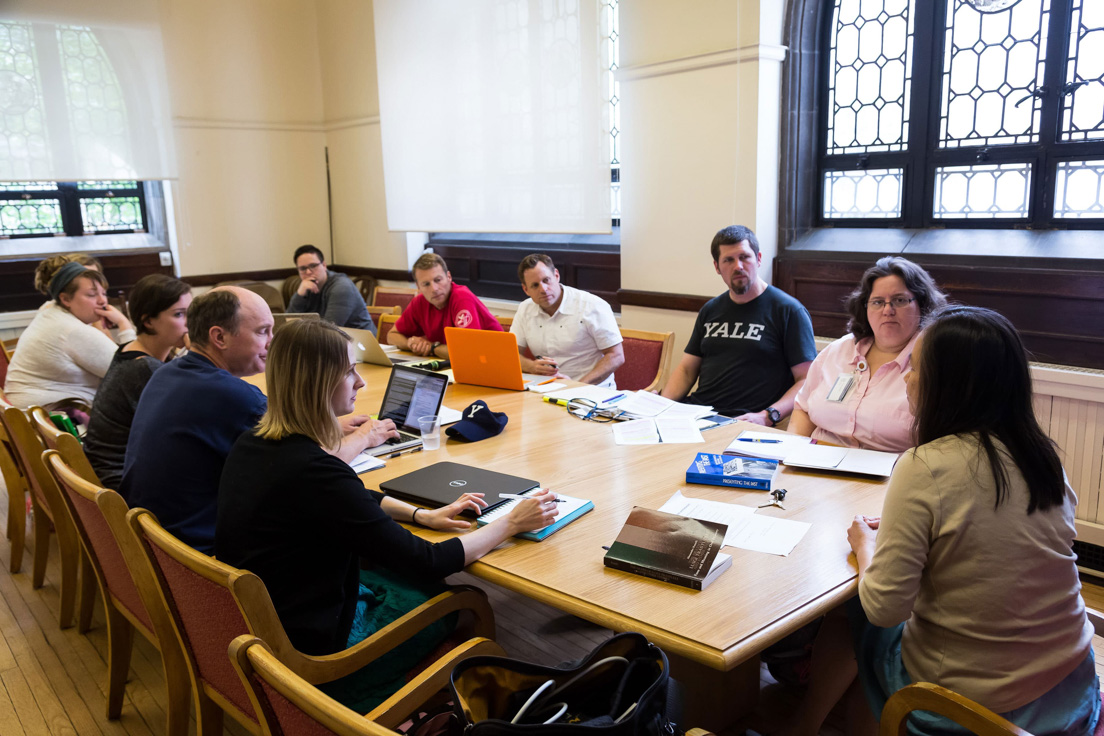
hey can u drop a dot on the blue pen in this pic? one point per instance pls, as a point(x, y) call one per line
point(612, 399)
point(765, 442)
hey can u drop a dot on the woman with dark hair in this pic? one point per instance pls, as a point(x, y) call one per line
point(854, 394)
point(301, 519)
point(62, 355)
point(158, 305)
point(970, 569)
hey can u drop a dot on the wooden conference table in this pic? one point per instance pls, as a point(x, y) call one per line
point(714, 636)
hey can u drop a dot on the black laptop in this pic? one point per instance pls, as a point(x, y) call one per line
point(411, 393)
point(442, 483)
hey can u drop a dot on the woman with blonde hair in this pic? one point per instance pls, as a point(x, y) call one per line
point(301, 519)
point(62, 355)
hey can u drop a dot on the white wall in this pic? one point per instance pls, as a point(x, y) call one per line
point(246, 89)
point(700, 86)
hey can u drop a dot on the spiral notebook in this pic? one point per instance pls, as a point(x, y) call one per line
point(570, 510)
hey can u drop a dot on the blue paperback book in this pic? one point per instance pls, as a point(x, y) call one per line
point(738, 472)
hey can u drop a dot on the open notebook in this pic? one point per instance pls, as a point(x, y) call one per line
point(570, 510)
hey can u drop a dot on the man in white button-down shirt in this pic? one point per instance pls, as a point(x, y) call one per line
point(569, 332)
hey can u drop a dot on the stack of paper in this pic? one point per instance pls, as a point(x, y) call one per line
point(664, 428)
point(746, 529)
point(364, 462)
point(640, 404)
point(771, 445)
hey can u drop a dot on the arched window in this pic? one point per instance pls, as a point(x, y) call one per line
point(960, 113)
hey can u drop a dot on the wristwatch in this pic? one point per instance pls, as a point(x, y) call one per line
point(773, 415)
point(433, 350)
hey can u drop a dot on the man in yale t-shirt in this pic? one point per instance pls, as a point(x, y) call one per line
point(751, 346)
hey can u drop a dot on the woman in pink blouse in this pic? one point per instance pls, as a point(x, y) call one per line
point(854, 394)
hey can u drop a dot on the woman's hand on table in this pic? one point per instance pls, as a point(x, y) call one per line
point(535, 512)
point(443, 519)
point(862, 535)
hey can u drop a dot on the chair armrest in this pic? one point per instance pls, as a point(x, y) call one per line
point(393, 711)
point(698, 732)
point(935, 699)
point(319, 669)
point(1097, 619)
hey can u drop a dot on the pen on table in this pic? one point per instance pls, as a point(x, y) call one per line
point(612, 399)
point(557, 402)
point(541, 383)
point(519, 497)
point(405, 452)
point(765, 442)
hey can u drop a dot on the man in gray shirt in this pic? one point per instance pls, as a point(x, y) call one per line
point(330, 294)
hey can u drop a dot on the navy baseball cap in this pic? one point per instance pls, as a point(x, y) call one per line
point(478, 422)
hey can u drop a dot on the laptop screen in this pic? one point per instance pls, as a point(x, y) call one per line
point(412, 393)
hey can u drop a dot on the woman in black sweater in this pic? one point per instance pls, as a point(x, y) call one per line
point(301, 519)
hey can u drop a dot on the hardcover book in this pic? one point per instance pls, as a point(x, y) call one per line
point(674, 549)
point(738, 472)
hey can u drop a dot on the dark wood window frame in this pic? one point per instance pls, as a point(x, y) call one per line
point(1050, 283)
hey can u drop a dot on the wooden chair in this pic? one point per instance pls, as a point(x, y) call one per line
point(377, 312)
point(386, 322)
point(272, 296)
point(73, 453)
point(367, 285)
point(647, 355)
point(16, 484)
point(212, 603)
point(932, 698)
point(293, 707)
point(289, 287)
point(393, 296)
point(5, 361)
point(50, 512)
point(131, 598)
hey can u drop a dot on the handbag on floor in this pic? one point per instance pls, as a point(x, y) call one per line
point(622, 688)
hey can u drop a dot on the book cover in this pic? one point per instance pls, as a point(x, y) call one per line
point(738, 472)
point(674, 549)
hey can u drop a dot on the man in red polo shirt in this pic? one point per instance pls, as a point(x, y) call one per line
point(440, 304)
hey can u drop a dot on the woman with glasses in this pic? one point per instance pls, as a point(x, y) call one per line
point(968, 579)
point(854, 394)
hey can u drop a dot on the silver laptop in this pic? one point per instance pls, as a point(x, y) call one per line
point(366, 349)
point(411, 393)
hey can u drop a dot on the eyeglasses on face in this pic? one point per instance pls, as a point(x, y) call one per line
point(309, 267)
point(897, 302)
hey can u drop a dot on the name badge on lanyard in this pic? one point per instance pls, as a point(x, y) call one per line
point(844, 382)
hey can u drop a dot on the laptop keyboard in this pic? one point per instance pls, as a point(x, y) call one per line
point(403, 437)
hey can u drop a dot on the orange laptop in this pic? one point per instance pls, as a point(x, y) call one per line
point(484, 358)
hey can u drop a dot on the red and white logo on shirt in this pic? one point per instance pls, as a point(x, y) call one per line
point(463, 318)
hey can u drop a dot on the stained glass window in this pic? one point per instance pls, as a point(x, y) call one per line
point(30, 217)
point(993, 65)
point(870, 62)
point(22, 115)
point(29, 209)
point(1079, 190)
point(611, 40)
point(996, 109)
point(872, 193)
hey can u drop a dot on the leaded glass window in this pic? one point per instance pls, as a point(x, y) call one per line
point(37, 208)
point(963, 112)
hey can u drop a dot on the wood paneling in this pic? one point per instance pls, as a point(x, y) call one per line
point(17, 290)
point(492, 271)
point(1059, 313)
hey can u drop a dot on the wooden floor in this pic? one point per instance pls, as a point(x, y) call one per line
point(52, 681)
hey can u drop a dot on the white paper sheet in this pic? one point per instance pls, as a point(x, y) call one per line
point(449, 415)
point(637, 432)
point(677, 430)
point(771, 445)
point(362, 463)
point(746, 529)
point(546, 388)
point(644, 404)
point(691, 411)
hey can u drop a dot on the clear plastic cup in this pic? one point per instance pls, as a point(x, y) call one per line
point(431, 431)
